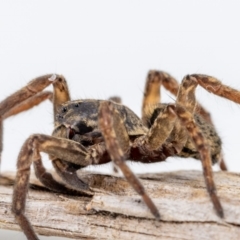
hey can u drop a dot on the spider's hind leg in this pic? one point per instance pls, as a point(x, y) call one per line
point(198, 134)
point(185, 97)
point(194, 131)
point(155, 80)
point(216, 87)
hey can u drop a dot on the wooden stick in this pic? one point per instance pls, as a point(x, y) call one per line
point(117, 212)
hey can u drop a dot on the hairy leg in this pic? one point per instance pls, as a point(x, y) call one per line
point(49, 182)
point(69, 176)
point(61, 94)
point(216, 87)
point(155, 80)
point(159, 131)
point(186, 94)
point(12, 102)
point(28, 103)
point(172, 86)
point(188, 121)
point(152, 95)
point(31, 89)
point(186, 98)
point(116, 99)
point(61, 148)
point(32, 95)
point(116, 140)
point(165, 125)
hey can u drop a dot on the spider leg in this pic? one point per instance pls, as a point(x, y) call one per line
point(116, 99)
point(152, 92)
point(160, 130)
point(188, 121)
point(30, 96)
point(215, 86)
point(117, 142)
point(28, 103)
point(154, 81)
point(68, 175)
point(60, 94)
point(67, 170)
point(23, 106)
point(31, 89)
point(165, 126)
point(223, 165)
point(30, 152)
point(68, 150)
point(152, 95)
point(185, 98)
point(185, 105)
point(49, 182)
point(172, 86)
point(186, 94)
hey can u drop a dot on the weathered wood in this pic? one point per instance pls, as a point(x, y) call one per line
point(117, 212)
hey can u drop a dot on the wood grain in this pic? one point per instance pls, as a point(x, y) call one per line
point(117, 212)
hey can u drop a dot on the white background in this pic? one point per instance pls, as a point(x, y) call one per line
point(106, 48)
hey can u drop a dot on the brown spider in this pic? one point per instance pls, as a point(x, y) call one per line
point(89, 132)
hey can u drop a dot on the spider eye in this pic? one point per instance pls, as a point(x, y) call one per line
point(64, 109)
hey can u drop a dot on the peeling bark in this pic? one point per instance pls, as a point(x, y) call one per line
point(117, 212)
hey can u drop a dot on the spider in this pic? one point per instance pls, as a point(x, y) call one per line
point(90, 132)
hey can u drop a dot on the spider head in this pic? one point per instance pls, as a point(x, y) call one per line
point(80, 118)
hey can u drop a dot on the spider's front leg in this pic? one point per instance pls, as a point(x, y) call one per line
point(118, 144)
point(68, 150)
point(30, 90)
point(27, 97)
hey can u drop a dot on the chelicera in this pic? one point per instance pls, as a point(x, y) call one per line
point(90, 132)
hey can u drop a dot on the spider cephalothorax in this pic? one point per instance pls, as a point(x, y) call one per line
point(82, 116)
point(89, 132)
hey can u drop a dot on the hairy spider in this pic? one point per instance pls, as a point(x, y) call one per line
point(90, 132)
